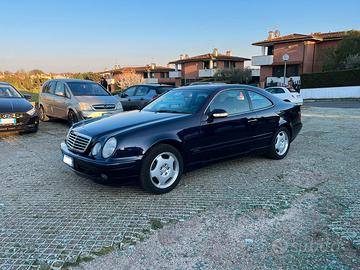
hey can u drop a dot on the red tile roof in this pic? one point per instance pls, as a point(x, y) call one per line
point(141, 69)
point(209, 56)
point(301, 37)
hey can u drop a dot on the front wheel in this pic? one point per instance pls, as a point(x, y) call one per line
point(161, 169)
point(280, 144)
point(42, 115)
point(72, 118)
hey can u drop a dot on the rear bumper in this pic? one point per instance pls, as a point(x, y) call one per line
point(295, 130)
point(120, 168)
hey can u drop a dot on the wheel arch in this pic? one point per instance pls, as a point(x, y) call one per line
point(288, 127)
point(173, 142)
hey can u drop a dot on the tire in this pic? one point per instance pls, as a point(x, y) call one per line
point(72, 118)
point(279, 149)
point(42, 115)
point(161, 169)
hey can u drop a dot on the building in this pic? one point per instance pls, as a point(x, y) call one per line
point(195, 68)
point(150, 74)
point(306, 55)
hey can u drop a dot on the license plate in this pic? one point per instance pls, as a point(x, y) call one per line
point(68, 160)
point(7, 121)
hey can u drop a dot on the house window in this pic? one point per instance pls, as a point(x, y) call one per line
point(270, 50)
point(164, 75)
point(206, 64)
point(215, 64)
point(145, 75)
point(291, 70)
point(229, 64)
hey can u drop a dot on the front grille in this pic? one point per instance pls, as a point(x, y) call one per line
point(77, 142)
point(104, 106)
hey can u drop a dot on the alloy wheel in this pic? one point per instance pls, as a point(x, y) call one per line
point(164, 170)
point(281, 143)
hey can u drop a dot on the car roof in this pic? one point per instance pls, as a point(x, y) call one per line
point(219, 87)
point(71, 80)
point(4, 83)
point(154, 85)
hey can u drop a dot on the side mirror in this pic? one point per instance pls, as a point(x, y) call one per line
point(27, 96)
point(60, 94)
point(218, 113)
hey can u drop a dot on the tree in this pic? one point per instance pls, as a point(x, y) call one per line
point(128, 79)
point(345, 54)
point(235, 75)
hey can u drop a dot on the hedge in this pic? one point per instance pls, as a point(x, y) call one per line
point(331, 79)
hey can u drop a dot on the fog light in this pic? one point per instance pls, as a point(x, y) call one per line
point(96, 149)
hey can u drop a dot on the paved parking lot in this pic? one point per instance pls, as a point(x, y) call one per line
point(248, 213)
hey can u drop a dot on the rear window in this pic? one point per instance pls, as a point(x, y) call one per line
point(162, 90)
point(87, 89)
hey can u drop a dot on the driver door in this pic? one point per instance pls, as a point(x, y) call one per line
point(231, 135)
point(126, 98)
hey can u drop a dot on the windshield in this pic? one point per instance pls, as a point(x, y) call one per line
point(162, 90)
point(179, 101)
point(87, 89)
point(7, 91)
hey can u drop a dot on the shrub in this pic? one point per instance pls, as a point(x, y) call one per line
point(331, 79)
point(235, 75)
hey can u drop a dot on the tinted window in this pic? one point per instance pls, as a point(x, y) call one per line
point(87, 89)
point(130, 91)
point(142, 91)
point(7, 91)
point(275, 90)
point(259, 101)
point(51, 87)
point(179, 101)
point(162, 90)
point(232, 101)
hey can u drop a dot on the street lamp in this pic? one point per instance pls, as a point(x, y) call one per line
point(285, 57)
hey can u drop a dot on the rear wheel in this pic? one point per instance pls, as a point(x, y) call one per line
point(161, 169)
point(42, 115)
point(72, 118)
point(280, 144)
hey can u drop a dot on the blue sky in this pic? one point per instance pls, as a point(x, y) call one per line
point(79, 35)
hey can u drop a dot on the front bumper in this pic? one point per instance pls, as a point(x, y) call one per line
point(26, 124)
point(99, 113)
point(120, 168)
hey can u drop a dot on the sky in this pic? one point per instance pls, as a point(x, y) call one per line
point(79, 35)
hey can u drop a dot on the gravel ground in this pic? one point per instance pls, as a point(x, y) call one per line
point(247, 213)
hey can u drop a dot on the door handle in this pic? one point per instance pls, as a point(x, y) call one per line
point(252, 120)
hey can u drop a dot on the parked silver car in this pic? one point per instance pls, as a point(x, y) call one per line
point(76, 100)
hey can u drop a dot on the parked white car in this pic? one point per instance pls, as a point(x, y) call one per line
point(289, 95)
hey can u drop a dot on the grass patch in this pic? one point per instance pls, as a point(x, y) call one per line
point(156, 224)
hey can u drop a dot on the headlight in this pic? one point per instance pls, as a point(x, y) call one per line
point(109, 147)
point(85, 106)
point(96, 149)
point(31, 111)
point(118, 106)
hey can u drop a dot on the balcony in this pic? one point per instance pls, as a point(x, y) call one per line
point(175, 74)
point(262, 60)
point(207, 72)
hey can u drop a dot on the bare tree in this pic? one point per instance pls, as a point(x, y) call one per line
point(128, 79)
point(234, 75)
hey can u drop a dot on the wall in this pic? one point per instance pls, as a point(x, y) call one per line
point(321, 50)
point(191, 70)
point(294, 50)
point(331, 92)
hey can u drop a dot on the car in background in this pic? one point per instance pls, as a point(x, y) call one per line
point(288, 95)
point(184, 127)
point(76, 100)
point(16, 112)
point(138, 96)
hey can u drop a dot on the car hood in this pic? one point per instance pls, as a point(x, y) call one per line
point(93, 100)
point(14, 105)
point(123, 122)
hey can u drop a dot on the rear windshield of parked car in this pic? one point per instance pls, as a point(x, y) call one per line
point(162, 90)
point(7, 91)
point(179, 101)
point(87, 89)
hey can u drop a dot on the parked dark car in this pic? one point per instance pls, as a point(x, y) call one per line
point(137, 96)
point(186, 126)
point(16, 112)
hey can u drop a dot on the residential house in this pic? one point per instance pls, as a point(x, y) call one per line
point(150, 73)
point(196, 68)
point(306, 55)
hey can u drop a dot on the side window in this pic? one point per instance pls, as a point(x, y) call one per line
point(232, 101)
point(259, 101)
point(60, 89)
point(142, 91)
point(271, 90)
point(51, 87)
point(279, 91)
point(130, 91)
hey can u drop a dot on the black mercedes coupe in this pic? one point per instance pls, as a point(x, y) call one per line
point(184, 127)
point(16, 112)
